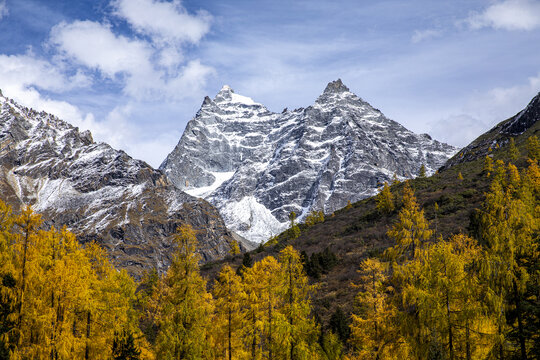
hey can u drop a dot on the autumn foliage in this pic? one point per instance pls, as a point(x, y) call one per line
point(468, 297)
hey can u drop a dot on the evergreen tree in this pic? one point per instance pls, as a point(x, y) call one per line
point(339, 324)
point(247, 262)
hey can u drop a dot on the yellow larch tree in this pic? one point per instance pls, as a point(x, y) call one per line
point(230, 299)
point(58, 310)
point(445, 294)
point(509, 227)
point(374, 334)
point(385, 200)
point(488, 166)
point(263, 283)
point(185, 306)
point(297, 331)
point(411, 230)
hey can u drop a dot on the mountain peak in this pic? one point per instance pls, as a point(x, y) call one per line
point(226, 89)
point(524, 119)
point(336, 86)
point(227, 95)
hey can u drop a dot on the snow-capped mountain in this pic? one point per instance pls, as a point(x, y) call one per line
point(257, 166)
point(98, 192)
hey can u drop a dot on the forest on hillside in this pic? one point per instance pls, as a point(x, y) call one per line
point(467, 296)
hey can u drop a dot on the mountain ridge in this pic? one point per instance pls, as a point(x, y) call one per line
point(244, 158)
point(100, 193)
point(500, 134)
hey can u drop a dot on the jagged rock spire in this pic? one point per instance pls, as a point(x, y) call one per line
point(336, 86)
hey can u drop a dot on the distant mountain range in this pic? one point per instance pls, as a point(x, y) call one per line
point(256, 166)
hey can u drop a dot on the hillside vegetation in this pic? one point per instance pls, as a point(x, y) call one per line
point(440, 267)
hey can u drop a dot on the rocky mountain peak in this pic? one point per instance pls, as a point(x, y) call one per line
point(336, 86)
point(100, 193)
point(257, 166)
point(524, 119)
point(224, 95)
point(227, 96)
point(206, 101)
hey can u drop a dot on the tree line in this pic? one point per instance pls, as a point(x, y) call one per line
point(459, 298)
point(470, 296)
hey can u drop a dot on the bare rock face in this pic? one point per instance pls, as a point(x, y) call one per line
point(98, 192)
point(257, 166)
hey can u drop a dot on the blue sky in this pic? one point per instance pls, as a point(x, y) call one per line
point(135, 71)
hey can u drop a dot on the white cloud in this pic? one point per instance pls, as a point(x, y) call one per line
point(148, 66)
point(24, 77)
point(3, 9)
point(483, 110)
point(458, 130)
point(421, 35)
point(21, 71)
point(95, 45)
point(119, 131)
point(167, 21)
point(500, 103)
point(130, 61)
point(508, 15)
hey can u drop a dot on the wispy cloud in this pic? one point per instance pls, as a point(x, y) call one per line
point(508, 15)
point(483, 110)
point(3, 9)
point(421, 35)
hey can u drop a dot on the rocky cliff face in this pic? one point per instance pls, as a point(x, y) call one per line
point(257, 166)
point(99, 193)
point(500, 134)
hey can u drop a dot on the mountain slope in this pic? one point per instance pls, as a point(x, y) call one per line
point(360, 231)
point(99, 193)
point(257, 166)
